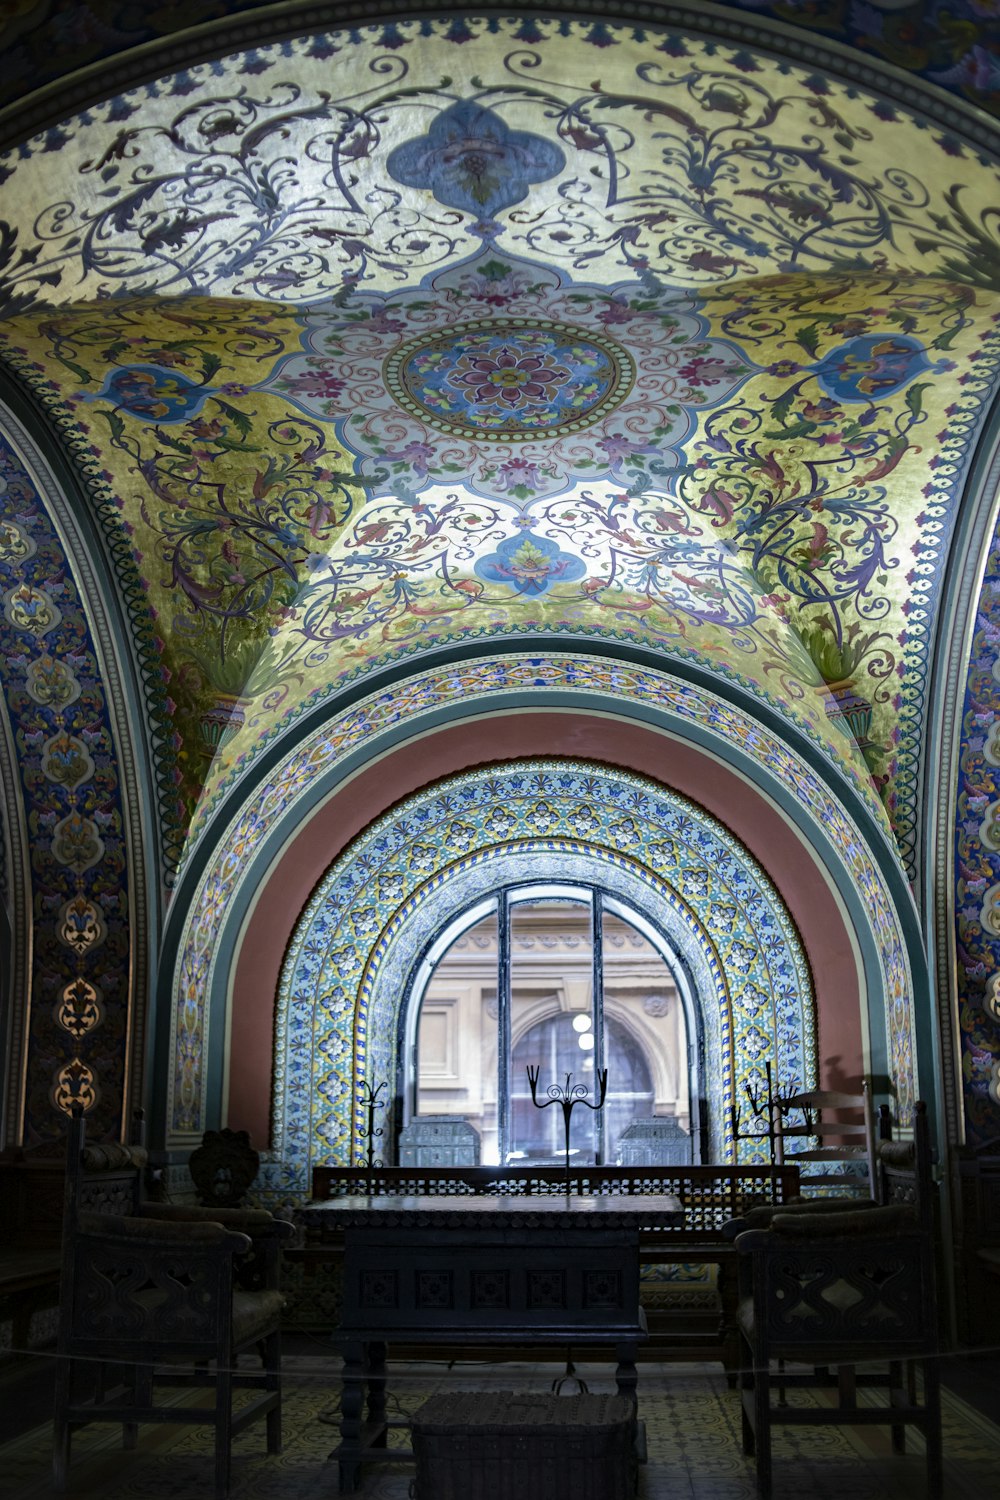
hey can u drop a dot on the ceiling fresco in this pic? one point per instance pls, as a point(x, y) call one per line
point(381, 345)
point(292, 172)
point(952, 43)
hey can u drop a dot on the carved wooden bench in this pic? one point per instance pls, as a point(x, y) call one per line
point(31, 1194)
point(710, 1195)
point(978, 1258)
point(32, 1190)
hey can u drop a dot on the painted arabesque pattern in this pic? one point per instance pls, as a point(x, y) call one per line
point(76, 1024)
point(698, 161)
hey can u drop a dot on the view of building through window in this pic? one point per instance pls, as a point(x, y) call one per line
point(565, 984)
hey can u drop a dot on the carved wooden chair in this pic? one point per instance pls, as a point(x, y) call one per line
point(223, 1168)
point(838, 1129)
point(836, 1289)
point(150, 1297)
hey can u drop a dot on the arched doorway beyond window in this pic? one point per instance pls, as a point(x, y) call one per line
point(563, 978)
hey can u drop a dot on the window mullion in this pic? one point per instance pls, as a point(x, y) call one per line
point(597, 954)
point(504, 1101)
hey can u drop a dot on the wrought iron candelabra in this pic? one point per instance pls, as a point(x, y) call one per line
point(371, 1101)
point(569, 1095)
point(764, 1105)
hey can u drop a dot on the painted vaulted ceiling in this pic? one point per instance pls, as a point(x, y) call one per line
point(393, 343)
point(410, 336)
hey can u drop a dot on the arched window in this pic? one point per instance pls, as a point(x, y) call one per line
point(566, 978)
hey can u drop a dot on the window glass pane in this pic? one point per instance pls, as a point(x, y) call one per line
point(550, 981)
point(645, 1042)
point(551, 1026)
point(457, 1036)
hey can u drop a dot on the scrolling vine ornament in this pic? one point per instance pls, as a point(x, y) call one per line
point(568, 1095)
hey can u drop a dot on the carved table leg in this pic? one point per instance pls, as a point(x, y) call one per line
point(60, 1449)
point(351, 1403)
point(627, 1375)
point(727, 1286)
point(376, 1393)
point(142, 1397)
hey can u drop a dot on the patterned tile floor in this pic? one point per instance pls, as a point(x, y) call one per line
point(692, 1426)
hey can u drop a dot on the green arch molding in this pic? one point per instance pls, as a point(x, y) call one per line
point(959, 785)
point(216, 890)
point(975, 852)
point(346, 976)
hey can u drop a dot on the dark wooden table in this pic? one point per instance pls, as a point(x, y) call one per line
point(480, 1271)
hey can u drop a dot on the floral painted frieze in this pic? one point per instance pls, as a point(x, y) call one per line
point(77, 1019)
point(953, 45)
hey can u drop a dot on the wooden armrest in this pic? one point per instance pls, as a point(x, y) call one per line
point(111, 1157)
point(809, 1228)
point(252, 1221)
point(205, 1235)
point(762, 1216)
point(895, 1219)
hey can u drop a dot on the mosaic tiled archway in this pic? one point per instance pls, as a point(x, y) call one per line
point(400, 882)
point(248, 840)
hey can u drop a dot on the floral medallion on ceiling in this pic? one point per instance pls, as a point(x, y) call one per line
point(516, 382)
point(553, 383)
point(470, 159)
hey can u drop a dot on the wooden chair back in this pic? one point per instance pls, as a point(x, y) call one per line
point(839, 1131)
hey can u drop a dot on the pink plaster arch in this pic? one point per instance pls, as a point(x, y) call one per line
point(679, 765)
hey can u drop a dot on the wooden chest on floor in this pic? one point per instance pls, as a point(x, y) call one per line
point(493, 1444)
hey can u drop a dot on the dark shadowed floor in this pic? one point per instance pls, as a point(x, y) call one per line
point(691, 1417)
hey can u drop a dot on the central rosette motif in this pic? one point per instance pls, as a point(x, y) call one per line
point(512, 379)
point(509, 377)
